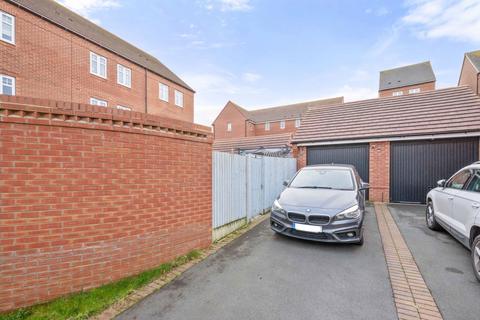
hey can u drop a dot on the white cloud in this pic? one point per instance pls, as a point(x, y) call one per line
point(87, 7)
point(355, 93)
point(454, 19)
point(251, 76)
point(379, 12)
point(228, 5)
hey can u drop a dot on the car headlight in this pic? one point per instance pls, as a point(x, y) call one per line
point(277, 209)
point(350, 213)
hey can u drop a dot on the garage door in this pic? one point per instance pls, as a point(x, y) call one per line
point(416, 166)
point(356, 154)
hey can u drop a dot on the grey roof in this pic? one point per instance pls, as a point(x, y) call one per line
point(406, 76)
point(291, 111)
point(474, 56)
point(58, 14)
point(450, 110)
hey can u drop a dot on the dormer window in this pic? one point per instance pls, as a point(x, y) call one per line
point(297, 123)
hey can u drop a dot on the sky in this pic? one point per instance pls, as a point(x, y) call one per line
point(261, 53)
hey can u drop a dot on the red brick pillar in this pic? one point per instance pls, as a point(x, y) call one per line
point(379, 171)
point(301, 154)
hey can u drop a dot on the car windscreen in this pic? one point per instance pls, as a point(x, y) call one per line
point(322, 178)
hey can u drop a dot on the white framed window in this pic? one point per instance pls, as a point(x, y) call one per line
point(267, 126)
point(163, 92)
point(297, 123)
point(178, 98)
point(414, 90)
point(98, 102)
point(229, 126)
point(124, 76)
point(397, 93)
point(98, 65)
point(7, 85)
point(120, 107)
point(7, 27)
point(282, 124)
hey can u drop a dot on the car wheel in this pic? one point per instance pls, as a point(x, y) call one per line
point(430, 217)
point(476, 257)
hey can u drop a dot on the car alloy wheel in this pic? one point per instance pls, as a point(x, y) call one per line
point(476, 256)
point(430, 217)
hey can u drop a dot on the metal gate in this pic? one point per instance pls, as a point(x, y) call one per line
point(416, 166)
point(354, 154)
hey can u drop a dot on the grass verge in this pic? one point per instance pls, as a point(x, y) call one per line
point(88, 303)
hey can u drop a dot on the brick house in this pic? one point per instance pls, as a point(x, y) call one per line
point(395, 143)
point(49, 52)
point(263, 131)
point(236, 122)
point(404, 80)
point(470, 73)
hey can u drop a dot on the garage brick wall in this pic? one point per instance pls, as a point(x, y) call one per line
point(90, 195)
point(379, 171)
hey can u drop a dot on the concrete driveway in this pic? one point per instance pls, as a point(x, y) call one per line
point(262, 275)
point(444, 263)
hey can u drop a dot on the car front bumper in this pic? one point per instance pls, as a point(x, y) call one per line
point(330, 233)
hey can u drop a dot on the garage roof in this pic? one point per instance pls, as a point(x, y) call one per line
point(254, 142)
point(59, 15)
point(450, 110)
point(406, 76)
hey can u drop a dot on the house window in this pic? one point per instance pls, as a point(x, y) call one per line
point(7, 85)
point(120, 107)
point(98, 102)
point(163, 92)
point(415, 90)
point(7, 27)
point(124, 76)
point(282, 124)
point(229, 127)
point(397, 93)
point(297, 123)
point(267, 126)
point(178, 98)
point(98, 65)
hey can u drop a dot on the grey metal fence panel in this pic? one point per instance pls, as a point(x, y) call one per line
point(229, 188)
point(244, 186)
point(255, 187)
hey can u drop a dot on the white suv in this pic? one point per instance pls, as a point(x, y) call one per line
point(455, 206)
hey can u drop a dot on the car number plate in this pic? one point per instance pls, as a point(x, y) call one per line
point(307, 228)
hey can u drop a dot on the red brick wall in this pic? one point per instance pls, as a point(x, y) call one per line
point(51, 63)
point(275, 128)
point(90, 195)
point(301, 154)
point(379, 171)
point(423, 87)
point(230, 114)
point(469, 76)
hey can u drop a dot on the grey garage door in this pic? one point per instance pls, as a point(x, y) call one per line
point(355, 154)
point(416, 166)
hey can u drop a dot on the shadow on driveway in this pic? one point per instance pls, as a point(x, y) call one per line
point(262, 275)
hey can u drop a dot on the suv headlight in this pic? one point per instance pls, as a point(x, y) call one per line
point(277, 209)
point(350, 213)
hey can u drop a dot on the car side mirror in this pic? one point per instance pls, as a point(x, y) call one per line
point(285, 183)
point(441, 183)
point(364, 186)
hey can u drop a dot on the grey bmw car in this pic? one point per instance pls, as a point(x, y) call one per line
point(322, 203)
